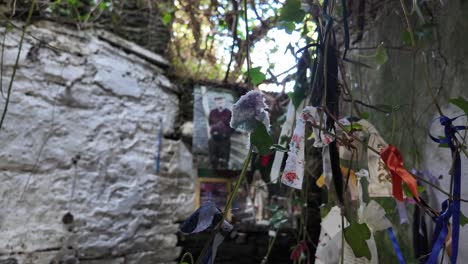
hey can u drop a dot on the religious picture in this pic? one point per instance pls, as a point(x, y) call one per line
point(215, 144)
point(212, 190)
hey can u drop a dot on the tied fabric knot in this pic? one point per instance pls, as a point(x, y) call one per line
point(441, 231)
point(450, 206)
point(394, 161)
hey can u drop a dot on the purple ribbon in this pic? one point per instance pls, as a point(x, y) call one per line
point(451, 206)
point(402, 212)
point(395, 246)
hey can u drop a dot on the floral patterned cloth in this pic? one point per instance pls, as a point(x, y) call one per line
point(293, 174)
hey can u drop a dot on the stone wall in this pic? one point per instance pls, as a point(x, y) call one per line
point(78, 149)
point(140, 22)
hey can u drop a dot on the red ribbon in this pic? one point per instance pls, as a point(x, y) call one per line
point(394, 161)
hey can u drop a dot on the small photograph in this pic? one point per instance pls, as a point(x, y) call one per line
point(212, 189)
point(215, 144)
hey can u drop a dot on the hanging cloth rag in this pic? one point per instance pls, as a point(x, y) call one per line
point(293, 173)
point(380, 181)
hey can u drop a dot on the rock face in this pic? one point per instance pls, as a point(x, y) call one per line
point(78, 150)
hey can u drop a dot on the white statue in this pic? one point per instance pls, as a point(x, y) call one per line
point(259, 193)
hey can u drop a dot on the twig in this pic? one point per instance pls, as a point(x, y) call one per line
point(386, 47)
point(270, 247)
point(345, 85)
point(15, 67)
point(247, 44)
point(366, 105)
point(183, 258)
point(410, 28)
point(234, 41)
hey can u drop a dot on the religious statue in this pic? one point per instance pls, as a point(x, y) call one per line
point(259, 193)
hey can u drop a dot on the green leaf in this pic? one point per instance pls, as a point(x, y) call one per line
point(356, 236)
point(272, 208)
point(261, 139)
point(167, 18)
point(421, 189)
point(463, 219)
point(256, 76)
point(365, 115)
point(298, 201)
point(222, 24)
point(406, 38)
point(292, 11)
point(289, 27)
point(285, 139)
point(102, 6)
point(461, 103)
point(278, 218)
point(324, 210)
point(280, 148)
point(85, 17)
point(387, 203)
point(408, 193)
point(299, 92)
point(353, 126)
point(381, 55)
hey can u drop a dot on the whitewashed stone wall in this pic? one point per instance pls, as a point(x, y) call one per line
point(80, 137)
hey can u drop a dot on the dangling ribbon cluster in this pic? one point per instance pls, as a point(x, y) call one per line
point(450, 208)
point(208, 215)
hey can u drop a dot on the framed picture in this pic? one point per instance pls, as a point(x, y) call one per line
point(215, 144)
point(216, 190)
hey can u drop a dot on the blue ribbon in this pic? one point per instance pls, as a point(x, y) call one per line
point(158, 154)
point(395, 246)
point(441, 231)
point(451, 208)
